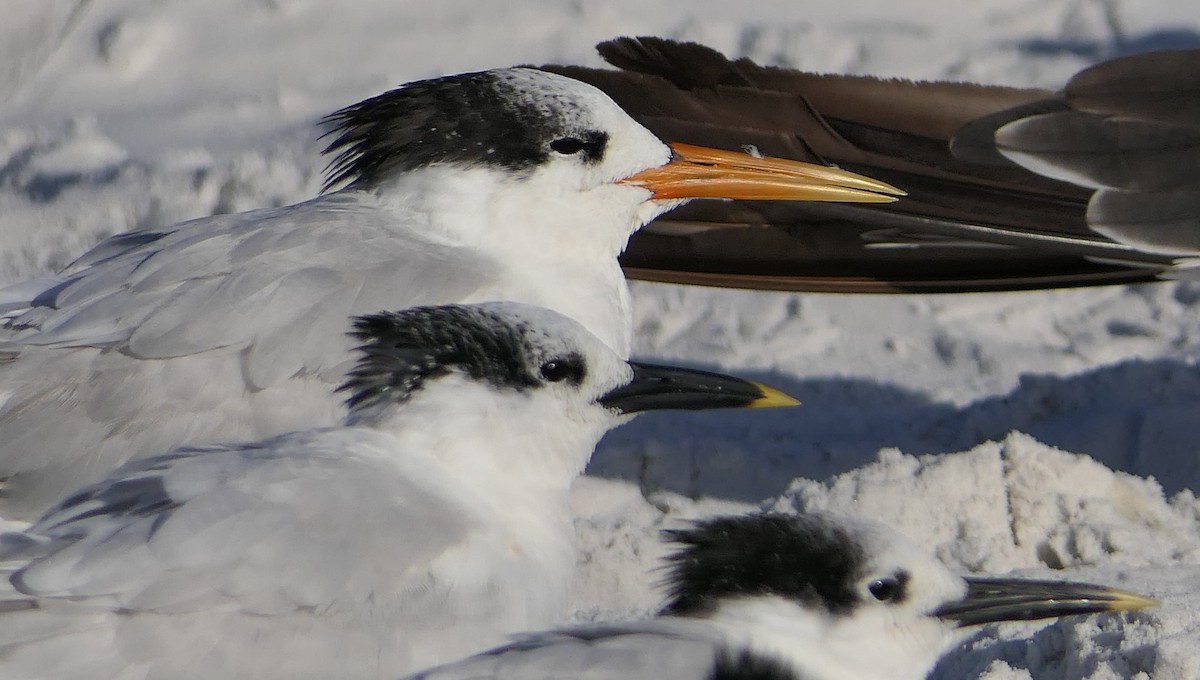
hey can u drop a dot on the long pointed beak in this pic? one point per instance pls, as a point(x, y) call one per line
point(668, 387)
point(701, 172)
point(991, 600)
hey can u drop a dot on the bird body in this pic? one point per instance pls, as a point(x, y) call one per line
point(236, 331)
point(428, 526)
point(511, 184)
point(774, 597)
point(304, 552)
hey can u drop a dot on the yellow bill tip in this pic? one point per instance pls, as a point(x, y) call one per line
point(1123, 600)
point(772, 398)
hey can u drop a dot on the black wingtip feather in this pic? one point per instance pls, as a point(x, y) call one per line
point(687, 65)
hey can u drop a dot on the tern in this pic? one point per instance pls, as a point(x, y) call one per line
point(428, 526)
point(1008, 188)
point(791, 597)
point(511, 184)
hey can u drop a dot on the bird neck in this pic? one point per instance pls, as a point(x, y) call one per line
point(824, 646)
point(511, 443)
point(556, 248)
point(531, 216)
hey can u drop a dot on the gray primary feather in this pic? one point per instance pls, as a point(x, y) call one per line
point(1104, 152)
point(1130, 129)
point(1161, 87)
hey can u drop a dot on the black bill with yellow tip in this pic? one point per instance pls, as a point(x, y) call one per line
point(702, 172)
point(668, 387)
point(992, 600)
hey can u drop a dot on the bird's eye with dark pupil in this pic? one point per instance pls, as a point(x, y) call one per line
point(568, 145)
point(558, 370)
point(886, 589)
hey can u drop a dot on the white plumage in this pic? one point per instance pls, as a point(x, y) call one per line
point(429, 526)
point(773, 597)
point(231, 327)
point(512, 184)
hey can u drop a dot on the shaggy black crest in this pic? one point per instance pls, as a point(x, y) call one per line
point(802, 558)
point(747, 665)
point(472, 118)
point(403, 349)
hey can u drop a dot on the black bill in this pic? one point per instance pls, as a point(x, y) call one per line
point(991, 600)
point(669, 387)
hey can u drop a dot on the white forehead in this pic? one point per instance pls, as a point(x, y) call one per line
point(582, 106)
point(550, 333)
point(886, 551)
point(564, 98)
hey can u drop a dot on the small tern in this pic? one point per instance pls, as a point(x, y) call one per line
point(781, 597)
point(1008, 188)
point(512, 184)
point(430, 525)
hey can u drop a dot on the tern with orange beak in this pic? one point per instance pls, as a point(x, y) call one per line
point(512, 184)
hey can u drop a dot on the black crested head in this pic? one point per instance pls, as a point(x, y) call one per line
point(401, 350)
point(506, 118)
point(803, 558)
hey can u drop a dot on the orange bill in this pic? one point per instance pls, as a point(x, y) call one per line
point(701, 172)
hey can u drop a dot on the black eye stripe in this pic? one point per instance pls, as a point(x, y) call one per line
point(570, 368)
point(592, 143)
point(567, 145)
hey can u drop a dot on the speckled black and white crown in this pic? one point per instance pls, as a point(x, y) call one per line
point(506, 345)
point(505, 118)
point(401, 350)
point(805, 558)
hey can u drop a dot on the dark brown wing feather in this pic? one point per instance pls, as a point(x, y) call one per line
point(973, 219)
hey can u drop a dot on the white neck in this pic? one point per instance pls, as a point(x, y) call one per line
point(535, 215)
point(558, 246)
point(514, 444)
point(823, 646)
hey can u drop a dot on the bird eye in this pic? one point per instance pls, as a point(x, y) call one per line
point(887, 589)
point(563, 368)
point(568, 145)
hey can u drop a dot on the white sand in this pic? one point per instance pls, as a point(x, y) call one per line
point(118, 114)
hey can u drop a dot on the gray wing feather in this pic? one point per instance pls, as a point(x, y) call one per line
point(1097, 152)
point(665, 649)
point(257, 305)
point(1130, 130)
point(1165, 222)
point(1159, 87)
point(219, 282)
point(263, 529)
